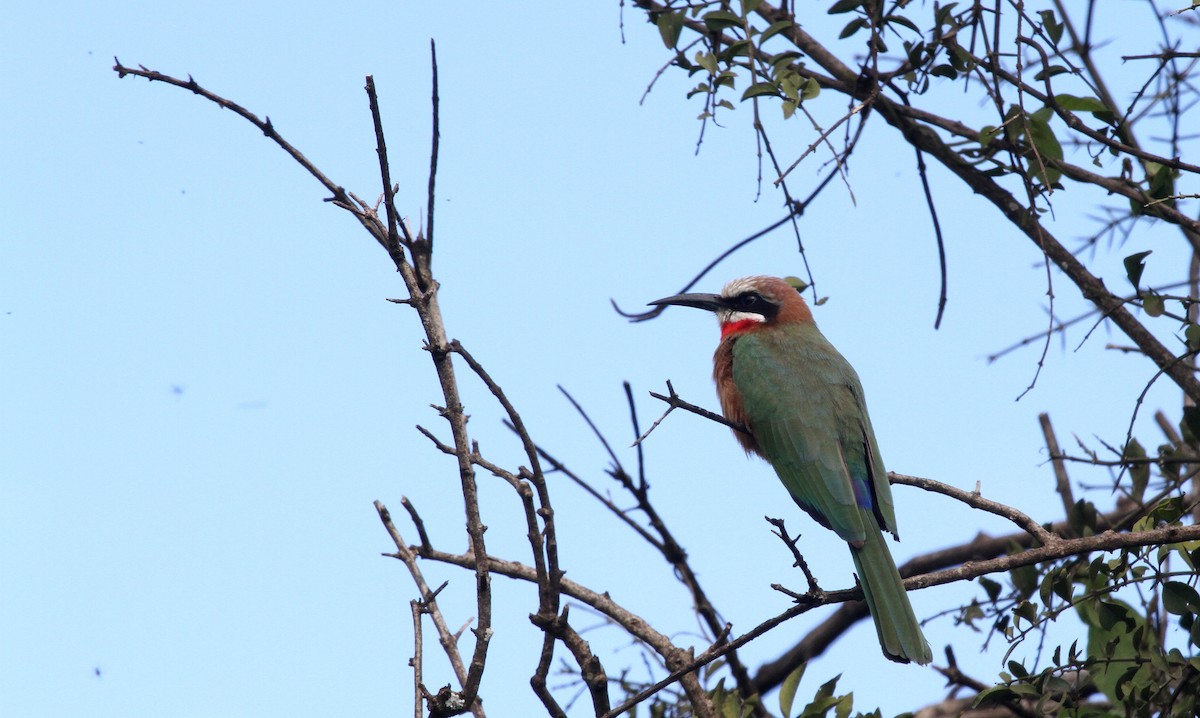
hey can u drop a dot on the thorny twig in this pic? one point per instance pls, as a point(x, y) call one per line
point(667, 545)
point(782, 533)
point(422, 290)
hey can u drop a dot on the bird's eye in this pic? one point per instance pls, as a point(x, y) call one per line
point(750, 301)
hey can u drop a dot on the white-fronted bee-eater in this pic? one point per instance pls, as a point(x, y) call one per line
point(803, 404)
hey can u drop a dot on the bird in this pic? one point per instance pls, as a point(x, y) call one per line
point(803, 406)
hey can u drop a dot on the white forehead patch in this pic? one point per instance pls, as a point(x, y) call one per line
point(737, 286)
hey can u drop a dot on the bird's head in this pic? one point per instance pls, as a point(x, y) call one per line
point(749, 304)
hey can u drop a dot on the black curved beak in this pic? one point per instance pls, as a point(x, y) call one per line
point(711, 302)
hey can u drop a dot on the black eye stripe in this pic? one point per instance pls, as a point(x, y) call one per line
point(754, 302)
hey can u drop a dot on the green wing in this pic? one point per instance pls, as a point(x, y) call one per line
point(805, 407)
point(804, 404)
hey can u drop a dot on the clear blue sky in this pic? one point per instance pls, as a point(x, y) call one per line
point(203, 389)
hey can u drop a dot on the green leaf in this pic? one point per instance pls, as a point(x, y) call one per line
point(1191, 335)
point(1046, 589)
point(1135, 264)
point(1162, 183)
point(1124, 683)
point(1110, 613)
point(1191, 423)
point(991, 587)
point(787, 691)
point(737, 48)
point(915, 52)
point(1054, 29)
point(796, 283)
point(718, 695)
point(1025, 579)
point(1087, 104)
point(960, 58)
point(1050, 72)
point(1063, 587)
point(810, 89)
point(842, 6)
point(785, 58)
point(1082, 517)
point(789, 84)
point(1185, 551)
point(943, 15)
point(774, 29)
point(789, 109)
point(995, 694)
point(944, 71)
point(1153, 305)
point(823, 700)
point(670, 25)
point(1043, 139)
point(971, 613)
point(1026, 610)
point(1139, 471)
point(1080, 104)
point(901, 20)
point(749, 6)
point(1169, 511)
point(721, 19)
point(852, 27)
point(1179, 598)
point(732, 707)
point(760, 88)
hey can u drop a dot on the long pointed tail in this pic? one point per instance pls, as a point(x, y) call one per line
point(899, 633)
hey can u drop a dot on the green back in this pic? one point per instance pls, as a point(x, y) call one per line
point(805, 406)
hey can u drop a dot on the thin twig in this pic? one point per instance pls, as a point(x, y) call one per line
point(821, 138)
point(975, 500)
point(673, 552)
point(404, 553)
point(643, 316)
point(418, 608)
point(675, 402)
point(340, 197)
point(558, 466)
point(937, 233)
point(433, 150)
point(417, 522)
point(1061, 481)
point(781, 532)
point(395, 227)
point(538, 682)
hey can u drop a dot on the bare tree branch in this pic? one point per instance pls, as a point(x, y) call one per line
point(446, 637)
point(975, 500)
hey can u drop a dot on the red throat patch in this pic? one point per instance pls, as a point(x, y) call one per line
point(741, 326)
